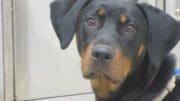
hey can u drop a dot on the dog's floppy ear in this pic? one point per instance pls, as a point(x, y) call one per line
point(164, 33)
point(64, 14)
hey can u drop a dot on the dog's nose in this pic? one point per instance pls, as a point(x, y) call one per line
point(102, 53)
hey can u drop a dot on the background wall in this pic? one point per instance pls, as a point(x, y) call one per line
point(1, 59)
point(42, 69)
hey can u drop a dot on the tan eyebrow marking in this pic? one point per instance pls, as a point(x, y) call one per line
point(123, 19)
point(101, 12)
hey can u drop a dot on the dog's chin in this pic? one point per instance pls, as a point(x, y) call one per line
point(98, 72)
point(103, 85)
point(103, 76)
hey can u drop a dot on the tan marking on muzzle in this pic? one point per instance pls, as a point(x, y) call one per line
point(86, 60)
point(120, 66)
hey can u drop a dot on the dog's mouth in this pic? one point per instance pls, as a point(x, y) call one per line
point(103, 76)
point(105, 72)
point(98, 75)
point(103, 83)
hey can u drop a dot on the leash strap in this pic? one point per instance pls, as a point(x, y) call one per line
point(168, 89)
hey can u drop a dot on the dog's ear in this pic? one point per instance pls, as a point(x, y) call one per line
point(164, 33)
point(64, 14)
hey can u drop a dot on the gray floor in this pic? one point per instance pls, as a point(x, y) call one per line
point(86, 97)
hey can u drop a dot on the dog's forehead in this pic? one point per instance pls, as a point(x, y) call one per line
point(113, 6)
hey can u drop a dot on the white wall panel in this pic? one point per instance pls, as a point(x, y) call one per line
point(1, 60)
point(42, 68)
point(7, 37)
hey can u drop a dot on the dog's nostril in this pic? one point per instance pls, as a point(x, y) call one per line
point(96, 55)
point(102, 53)
point(108, 57)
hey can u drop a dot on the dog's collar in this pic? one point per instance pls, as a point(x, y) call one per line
point(168, 89)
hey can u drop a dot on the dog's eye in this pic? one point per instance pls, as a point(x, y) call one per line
point(91, 22)
point(131, 29)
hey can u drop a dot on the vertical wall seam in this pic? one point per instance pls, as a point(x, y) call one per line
point(13, 43)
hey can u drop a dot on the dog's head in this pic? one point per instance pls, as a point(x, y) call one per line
point(113, 36)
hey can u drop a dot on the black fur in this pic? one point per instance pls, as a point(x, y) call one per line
point(157, 30)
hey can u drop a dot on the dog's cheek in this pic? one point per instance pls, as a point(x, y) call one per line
point(78, 41)
point(86, 61)
point(140, 50)
point(120, 67)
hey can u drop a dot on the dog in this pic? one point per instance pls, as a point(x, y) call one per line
point(124, 47)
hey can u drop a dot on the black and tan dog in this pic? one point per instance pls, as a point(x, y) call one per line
point(124, 47)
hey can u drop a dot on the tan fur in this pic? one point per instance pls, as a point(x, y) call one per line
point(101, 12)
point(120, 66)
point(103, 86)
point(123, 19)
point(86, 60)
point(141, 49)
